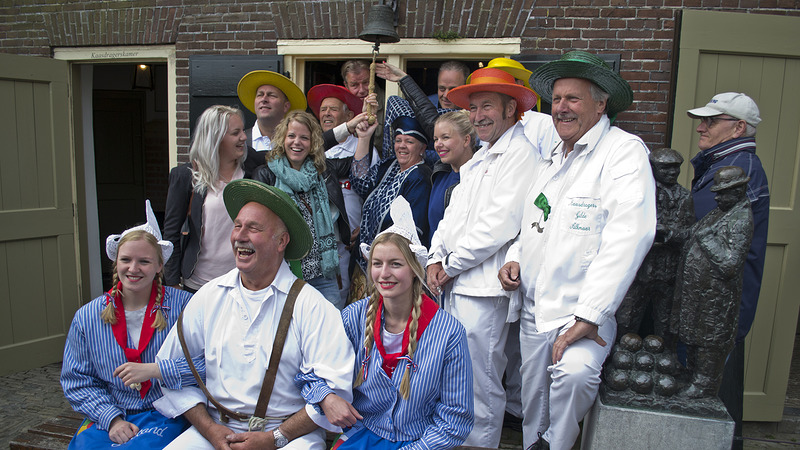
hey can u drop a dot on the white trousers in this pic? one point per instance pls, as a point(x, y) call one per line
point(556, 397)
point(191, 439)
point(484, 319)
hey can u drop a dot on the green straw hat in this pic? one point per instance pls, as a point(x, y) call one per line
point(241, 192)
point(580, 64)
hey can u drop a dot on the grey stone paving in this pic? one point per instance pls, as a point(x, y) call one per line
point(29, 398)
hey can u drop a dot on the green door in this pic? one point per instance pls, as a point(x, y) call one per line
point(759, 55)
point(38, 269)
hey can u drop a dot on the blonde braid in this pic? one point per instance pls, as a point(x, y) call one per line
point(160, 322)
point(369, 336)
point(109, 314)
point(405, 384)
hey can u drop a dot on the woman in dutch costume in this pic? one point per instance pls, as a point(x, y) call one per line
point(109, 374)
point(414, 383)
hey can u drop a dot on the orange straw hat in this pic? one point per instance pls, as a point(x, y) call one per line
point(320, 92)
point(515, 68)
point(493, 80)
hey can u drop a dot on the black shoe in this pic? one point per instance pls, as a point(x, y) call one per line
point(512, 422)
point(540, 444)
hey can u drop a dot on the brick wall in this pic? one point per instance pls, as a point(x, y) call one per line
point(642, 31)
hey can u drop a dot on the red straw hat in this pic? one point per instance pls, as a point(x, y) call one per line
point(320, 92)
point(493, 80)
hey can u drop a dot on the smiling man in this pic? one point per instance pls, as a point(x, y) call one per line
point(270, 96)
point(232, 323)
point(588, 222)
point(480, 222)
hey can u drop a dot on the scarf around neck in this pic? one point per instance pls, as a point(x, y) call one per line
point(308, 180)
point(428, 309)
point(120, 329)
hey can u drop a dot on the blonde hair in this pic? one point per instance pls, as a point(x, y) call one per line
point(109, 314)
point(460, 120)
point(416, 294)
point(204, 152)
point(316, 152)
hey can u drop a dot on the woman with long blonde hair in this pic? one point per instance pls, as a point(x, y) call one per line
point(109, 372)
point(414, 374)
point(195, 220)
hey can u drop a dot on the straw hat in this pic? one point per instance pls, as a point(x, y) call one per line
point(580, 64)
point(320, 92)
point(250, 83)
point(241, 192)
point(515, 68)
point(493, 80)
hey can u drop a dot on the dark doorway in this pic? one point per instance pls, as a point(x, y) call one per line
point(131, 149)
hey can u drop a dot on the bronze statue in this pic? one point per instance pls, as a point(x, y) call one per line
point(655, 280)
point(708, 287)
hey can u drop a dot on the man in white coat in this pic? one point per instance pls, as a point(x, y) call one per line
point(588, 222)
point(482, 219)
point(232, 322)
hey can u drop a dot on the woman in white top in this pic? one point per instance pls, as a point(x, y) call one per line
point(196, 221)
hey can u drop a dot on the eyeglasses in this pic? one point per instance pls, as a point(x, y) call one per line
point(710, 121)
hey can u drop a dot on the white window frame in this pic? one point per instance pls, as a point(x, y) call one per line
point(297, 52)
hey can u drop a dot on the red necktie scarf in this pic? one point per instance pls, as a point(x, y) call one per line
point(120, 329)
point(427, 311)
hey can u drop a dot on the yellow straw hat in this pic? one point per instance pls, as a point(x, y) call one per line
point(250, 83)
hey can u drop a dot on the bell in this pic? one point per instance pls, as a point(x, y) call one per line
point(379, 27)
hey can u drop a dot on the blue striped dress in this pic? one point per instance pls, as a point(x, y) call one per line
point(91, 354)
point(439, 412)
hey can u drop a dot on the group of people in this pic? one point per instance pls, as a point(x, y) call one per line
point(382, 293)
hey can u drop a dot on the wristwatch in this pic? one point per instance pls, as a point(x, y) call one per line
point(280, 439)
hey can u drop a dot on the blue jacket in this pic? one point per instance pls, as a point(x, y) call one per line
point(739, 152)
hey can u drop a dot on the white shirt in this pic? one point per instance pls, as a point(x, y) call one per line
point(541, 132)
point(601, 225)
point(216, 256)
point(484, 214)
point(260, 143)
point(237, 348)
point(134, 320)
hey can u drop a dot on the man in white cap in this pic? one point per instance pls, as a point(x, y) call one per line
point(589, 219)
point(234, 322)
point(727, 138)
point(481, 221)
point(268, 95)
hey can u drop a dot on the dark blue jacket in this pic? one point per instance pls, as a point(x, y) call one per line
point(739, 152)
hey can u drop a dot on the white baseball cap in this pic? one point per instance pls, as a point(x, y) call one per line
point(733, 104)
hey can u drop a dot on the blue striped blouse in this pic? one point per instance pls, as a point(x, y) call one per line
point(439, 411)
point(91, 354)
